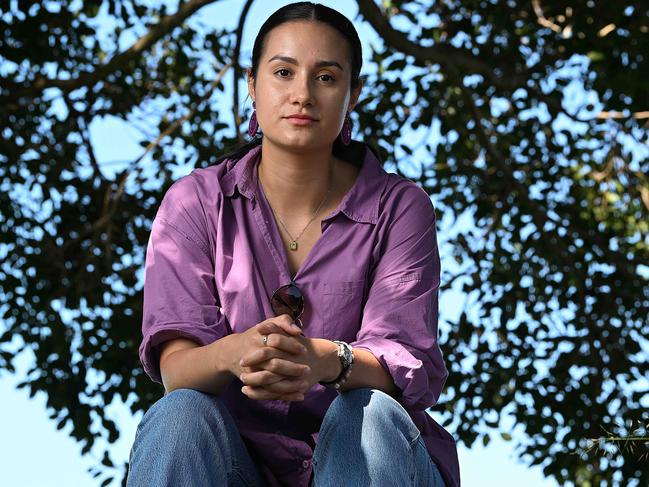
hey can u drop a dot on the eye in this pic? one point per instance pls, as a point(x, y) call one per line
point(283, 73)
point(328, 76)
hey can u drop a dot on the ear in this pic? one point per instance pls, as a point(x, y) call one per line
point(251, 83)
point(356, 92)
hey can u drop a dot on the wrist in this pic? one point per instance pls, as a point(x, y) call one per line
point(228, 356)
point(329, 363)
point(346, 358)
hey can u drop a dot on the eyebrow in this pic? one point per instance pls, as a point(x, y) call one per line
point(319, 64)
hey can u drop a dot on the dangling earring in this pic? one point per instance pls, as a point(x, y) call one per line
point(346, 132)
point(253, 125)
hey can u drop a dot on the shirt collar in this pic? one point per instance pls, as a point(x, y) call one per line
point(240, 174)
point(361, 203)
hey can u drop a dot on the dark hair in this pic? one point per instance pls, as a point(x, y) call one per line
point(311, 12)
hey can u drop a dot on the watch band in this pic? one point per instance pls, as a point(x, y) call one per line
point(346, 356)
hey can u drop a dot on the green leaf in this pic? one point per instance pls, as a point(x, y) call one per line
point(595, 56)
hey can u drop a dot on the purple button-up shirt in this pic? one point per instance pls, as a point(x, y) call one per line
point(215, 256)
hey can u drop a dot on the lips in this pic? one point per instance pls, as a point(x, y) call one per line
point(301, 117)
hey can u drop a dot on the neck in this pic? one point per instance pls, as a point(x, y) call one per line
point(295, 183)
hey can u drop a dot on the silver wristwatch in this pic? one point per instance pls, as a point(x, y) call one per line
point(346, 357)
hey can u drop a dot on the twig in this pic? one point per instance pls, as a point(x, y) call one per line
point(542, 19)
point(438, 53)
point(236, 72)
point(615, 115)
point(156, 32)
point(111, 199)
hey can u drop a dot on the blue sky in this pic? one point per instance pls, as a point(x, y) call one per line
point(33, 453)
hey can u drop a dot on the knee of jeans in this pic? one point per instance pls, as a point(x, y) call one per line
point(186, 409)
point(370, 405)
point(186, 397)
point(370, 410)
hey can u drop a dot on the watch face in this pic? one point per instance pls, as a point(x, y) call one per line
point(346, 354)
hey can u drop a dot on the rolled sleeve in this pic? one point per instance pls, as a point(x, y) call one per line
point(399, 325)
point(180, 297)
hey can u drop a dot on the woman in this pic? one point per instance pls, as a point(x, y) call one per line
point(290, 297)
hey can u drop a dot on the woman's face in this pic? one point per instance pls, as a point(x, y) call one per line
point(304, 69)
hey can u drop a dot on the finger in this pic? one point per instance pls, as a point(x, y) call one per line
point(286, 386)
point(263, 354)
point(282, 367)
point(262, 393)
point(285, 367)
point(286, 324)
point(259, 393)
point(260, 378)
point(258, 355)
point(286, 344)
point(289, 386)
point(278, 390)
point(270, 377)
point(268, 327)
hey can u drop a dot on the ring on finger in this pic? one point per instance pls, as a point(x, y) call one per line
point(264, 339)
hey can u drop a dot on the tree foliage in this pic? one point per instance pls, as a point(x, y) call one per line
point(533, 120)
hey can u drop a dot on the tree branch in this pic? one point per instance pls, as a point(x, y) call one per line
point(112, 198)
point(236, 72)
point(542, 19)
point(619, 115)
point(439, 53)
point(500, 160)
point(84, 131)
point(155, 33)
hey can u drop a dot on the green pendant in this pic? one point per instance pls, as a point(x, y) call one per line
point(293, 245)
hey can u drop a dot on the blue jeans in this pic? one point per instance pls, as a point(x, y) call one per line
point(188, 438)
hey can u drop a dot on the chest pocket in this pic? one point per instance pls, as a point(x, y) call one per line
point(343, 303)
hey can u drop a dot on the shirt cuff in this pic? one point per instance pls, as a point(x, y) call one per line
point(408, 372)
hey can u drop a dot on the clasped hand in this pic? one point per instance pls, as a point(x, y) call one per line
point(285, 368)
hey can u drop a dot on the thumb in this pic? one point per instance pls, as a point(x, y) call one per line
point(283, 324)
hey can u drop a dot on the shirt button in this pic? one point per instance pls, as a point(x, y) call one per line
point(305, 463)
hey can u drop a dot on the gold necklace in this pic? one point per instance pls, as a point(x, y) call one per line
point(293, 244)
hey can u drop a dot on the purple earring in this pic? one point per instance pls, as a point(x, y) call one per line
point(346, 132)
point(253, 125)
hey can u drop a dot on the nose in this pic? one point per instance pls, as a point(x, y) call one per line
point(302, 90)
